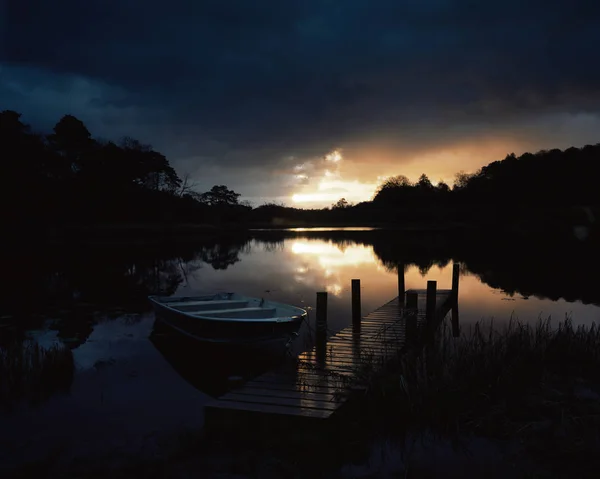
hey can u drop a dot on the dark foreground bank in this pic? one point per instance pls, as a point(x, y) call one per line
point(520, 402)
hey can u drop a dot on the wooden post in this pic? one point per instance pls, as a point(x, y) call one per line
point(356, 340)
point(322, 311)
point(356, 309)
point(321, 327)
point(431, 300)
point(401, 284)
point(455, 277)
point(411, 314)
point(455, 323)
point(412, 300)
point(235, 381)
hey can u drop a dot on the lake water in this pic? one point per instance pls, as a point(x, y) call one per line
point(134, 385)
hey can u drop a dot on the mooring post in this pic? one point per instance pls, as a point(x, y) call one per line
point(321, 326)
point(356, 308)
point(401, 284)
point(455, 278)
point(455, 322)
point(431, 300)
point(322, 311)
point(412, 300)
point(411, 315)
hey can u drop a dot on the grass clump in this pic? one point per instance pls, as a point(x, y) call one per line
point(33, 373)
point(534, 385)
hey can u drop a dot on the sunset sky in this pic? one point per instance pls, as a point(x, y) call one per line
point(308, 101)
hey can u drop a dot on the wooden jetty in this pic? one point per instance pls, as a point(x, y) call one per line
point(321, 381)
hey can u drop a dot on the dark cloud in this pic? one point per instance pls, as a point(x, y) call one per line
point(246, 84)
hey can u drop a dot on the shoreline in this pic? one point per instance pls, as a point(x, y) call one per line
point(55, 231)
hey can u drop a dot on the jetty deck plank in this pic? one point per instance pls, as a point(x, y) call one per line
point(319, 385)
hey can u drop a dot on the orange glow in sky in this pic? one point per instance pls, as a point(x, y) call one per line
point(330, 186)
point(356, 174)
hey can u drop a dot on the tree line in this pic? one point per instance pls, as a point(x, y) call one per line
point(535, 189)
point(546, 178)
point(67, 176)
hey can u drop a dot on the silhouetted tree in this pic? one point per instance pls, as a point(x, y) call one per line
point(394, 190)
point(188, 187)
point(341, 203)
point(220, 195)
point(442, 187)
point(73, 143)
point(399, 181)
point(424, 183)
point(461, 180)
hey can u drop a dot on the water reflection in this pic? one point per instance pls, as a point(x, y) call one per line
point(211, 368)
point(329, 260)
point(93, 299)
point(498, 279)
point(72, 286)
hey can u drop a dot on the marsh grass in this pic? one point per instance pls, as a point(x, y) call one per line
point(32, 373)
point(535, 385)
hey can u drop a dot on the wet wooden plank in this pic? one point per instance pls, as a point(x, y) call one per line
point(326, 371)
point(303, 402)
point(374, 331)
point(348, 344)
point(368, 324)
point(363, 351)
point(270, 409)
point(375, 336)
point(377, 323)
point(366, 357)
point(309, 376)
point(382, 318)
point(347, 341)
point(332, 363)
point(370, 328)
point(349, 338)
point(326, 388)
point(292, 394)
point(342, 359)
point(342, 355)
point(290, 383)
point(378, 343)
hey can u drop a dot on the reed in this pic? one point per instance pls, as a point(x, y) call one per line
point(536, 385)
point(33, 373)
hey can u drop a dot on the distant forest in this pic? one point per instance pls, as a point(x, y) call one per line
point(69, 178)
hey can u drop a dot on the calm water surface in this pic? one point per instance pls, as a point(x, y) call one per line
point(136, 384)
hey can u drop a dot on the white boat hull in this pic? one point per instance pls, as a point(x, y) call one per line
point(230, 318)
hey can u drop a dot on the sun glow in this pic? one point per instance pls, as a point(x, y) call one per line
point(313, 197)
point(329, 186)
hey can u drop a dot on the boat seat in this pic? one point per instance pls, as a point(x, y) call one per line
point(240, 313)
point(207, 305)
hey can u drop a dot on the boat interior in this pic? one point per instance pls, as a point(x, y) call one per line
point(227, 309)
